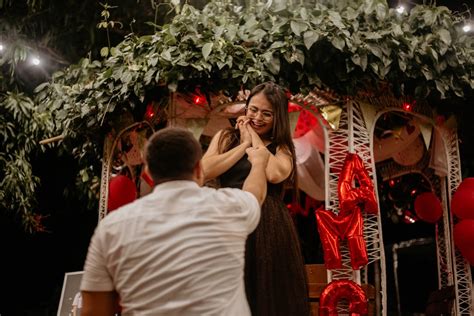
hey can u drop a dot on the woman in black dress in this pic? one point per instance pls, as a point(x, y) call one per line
point(275, 277)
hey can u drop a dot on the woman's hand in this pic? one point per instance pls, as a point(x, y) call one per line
point(243, 126)
point(256, 140)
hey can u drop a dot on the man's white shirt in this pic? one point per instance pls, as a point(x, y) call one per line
point(177, 251)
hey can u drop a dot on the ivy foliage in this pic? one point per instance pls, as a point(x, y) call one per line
point(22, 122)
point(224, 47)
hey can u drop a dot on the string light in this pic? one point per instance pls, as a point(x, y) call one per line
point(400, 9)
point(35, 61)
point(199, 100)
point(467, 28)
point(407, 106)
point(1, 47)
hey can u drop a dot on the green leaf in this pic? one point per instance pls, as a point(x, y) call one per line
point(360, 60)
point(376, 50)
point(104, 51)
point(274, 65)
point(381, 11)
point(429, 17)
point(310, 37)
point(445, 36)
point(298, 27)
point(427, 73)
point(336, 19)
point(338, 43)
point(299, 57)
point(277, 44)
point(206, 50)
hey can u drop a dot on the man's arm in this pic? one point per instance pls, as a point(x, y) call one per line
point(256, 182)
point(99, 303)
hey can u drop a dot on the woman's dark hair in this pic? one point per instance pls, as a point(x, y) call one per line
point(171, 154)
point(280, 133)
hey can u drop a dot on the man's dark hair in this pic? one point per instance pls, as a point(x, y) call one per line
point(171, 154)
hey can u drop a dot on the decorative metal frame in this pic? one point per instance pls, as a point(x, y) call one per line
point(353, 136)
point(461, 268)
point(453, 269)
point(107, 159)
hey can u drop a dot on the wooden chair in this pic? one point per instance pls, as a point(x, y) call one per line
point(317, 280)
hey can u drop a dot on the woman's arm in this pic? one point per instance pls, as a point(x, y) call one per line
point(279, 167)
point(215, 164)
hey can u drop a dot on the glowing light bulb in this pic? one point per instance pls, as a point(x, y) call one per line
point(466, 28)
point(400, 9)
point(407, 107)
point(199, 100)
point(35, 61)
point(1, 47)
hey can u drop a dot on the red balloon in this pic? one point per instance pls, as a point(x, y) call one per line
point(348, 224)
point(122, 191)
point(462, 204)
point(428, 207)
point(463, 235)
point(343, 289)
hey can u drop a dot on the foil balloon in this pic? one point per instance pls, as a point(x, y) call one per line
point(348, 224)
point(351, 197)
point(332, 228)
point(343, 289)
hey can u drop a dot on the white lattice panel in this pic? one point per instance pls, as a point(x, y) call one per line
point(462, 270)
point(353, 136)
point(104, 180)
point(443, 244)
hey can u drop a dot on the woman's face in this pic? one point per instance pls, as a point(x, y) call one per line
point(260, 113)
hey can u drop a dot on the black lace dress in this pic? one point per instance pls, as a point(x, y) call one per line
point(275, 278)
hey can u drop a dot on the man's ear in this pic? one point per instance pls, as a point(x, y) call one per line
point(199, 173)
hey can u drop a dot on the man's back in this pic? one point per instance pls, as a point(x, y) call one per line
point(177, 251)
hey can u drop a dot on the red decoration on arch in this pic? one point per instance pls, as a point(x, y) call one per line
point(462, 204)
point(348, 224)
point(428, 207)
point(463, 235)
point(122, 191)
point(361, 197)
point(343, 289)
point(333, 228)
